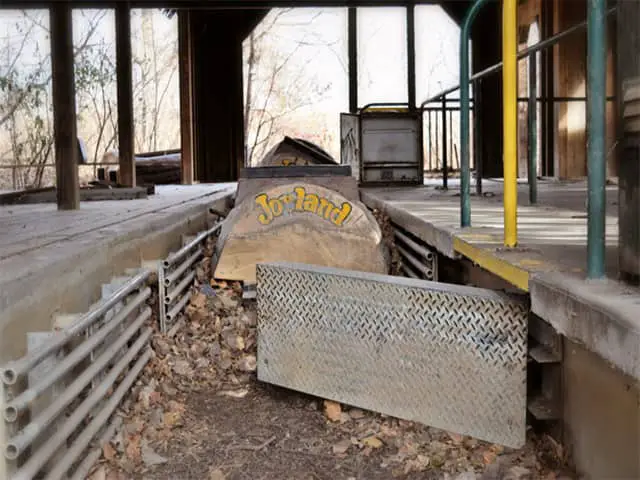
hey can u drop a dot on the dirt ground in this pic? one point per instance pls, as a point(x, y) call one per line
point(198, 412)
point(275, 434)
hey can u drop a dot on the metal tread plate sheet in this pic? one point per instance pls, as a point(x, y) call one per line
point(443, 355)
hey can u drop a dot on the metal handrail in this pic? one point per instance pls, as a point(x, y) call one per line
point(384, 104)
point(543, 44)
point(13, 370)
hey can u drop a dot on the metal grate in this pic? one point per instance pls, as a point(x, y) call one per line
point(417, 259)
point(175, 278)
point(77, 397)
point(447, 356)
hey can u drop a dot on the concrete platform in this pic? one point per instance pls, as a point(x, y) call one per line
point(39, 245)
point(549, 263)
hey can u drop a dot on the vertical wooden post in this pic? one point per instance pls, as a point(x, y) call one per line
point(353, 58)
point(186, 97)
point(125, 95)
point(64, 107)
point(411, 55)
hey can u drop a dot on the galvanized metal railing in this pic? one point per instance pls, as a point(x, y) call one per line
point(597, 12)
point(175, 277)
point(49, 441)
point(417, 259)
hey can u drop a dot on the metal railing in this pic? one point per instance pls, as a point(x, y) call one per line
point(417, 260)
point(595, 101)
point(50, 422)
point(175, 278)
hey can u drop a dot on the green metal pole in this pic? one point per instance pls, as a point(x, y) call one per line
point(596, 159)
point(532, 121)
point(465, 175)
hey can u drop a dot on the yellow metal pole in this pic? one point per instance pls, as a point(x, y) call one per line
point(510, 119)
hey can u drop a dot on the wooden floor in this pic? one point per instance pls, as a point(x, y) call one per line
point(29, 233)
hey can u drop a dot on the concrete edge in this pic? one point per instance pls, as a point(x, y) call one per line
point(581, 316)
point(439, 238)
point(35, 298)
point(601, 317)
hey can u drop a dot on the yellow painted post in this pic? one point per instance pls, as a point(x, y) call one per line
point(510, 119)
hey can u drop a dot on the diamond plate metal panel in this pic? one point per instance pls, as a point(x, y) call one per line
point(447, 356)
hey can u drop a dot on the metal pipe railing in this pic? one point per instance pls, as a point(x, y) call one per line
point(80, 443)
point(509, 121)
point(596, 143)
point(465, 173)
point(39, 424)
point(180, 254)
point(532, 128)
point(15, 369)
point(173, 276)
point(369, 106)
point(23, 401)
point(40, 457)
point(175, 279)
point(83, 470)
point(541, 45)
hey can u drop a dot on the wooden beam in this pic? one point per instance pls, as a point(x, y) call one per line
point(186, 97)
point(64, 107)
point(125, 95)
point(352, 46)
point(411, 55)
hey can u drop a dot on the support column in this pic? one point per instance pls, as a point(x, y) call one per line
point(186, 94)
point(411, 54)
point(596, 136)
point(64, 107)
point(548, 92)
point(628, 126)
point(353, 58)
point(125, 95)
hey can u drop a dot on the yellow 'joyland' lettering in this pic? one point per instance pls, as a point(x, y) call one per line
point(299, 201)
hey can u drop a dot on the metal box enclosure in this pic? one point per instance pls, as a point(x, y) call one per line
point(383, 147)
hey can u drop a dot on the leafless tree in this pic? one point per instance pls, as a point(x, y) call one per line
point(277, 83)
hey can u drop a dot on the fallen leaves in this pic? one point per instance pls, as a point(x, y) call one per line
point(216, 474)
point(215, 352)
point(332, 410)
point(239, 393)
point(342, 446)
point(109, 452)
point(372, 441)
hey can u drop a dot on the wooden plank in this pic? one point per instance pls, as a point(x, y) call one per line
point(64, 107)
point(37, 226)
point(186, 95)
point(125, 95)
point(100, 194)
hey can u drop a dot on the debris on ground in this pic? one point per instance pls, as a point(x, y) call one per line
point(389, 240)
point(198, 412)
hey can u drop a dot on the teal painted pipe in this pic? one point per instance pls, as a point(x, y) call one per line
point(465, 174)
point(596, 156)
point(532, 120)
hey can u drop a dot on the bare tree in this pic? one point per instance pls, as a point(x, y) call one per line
point(25, 92)
point(156, 69)
point(277, 82)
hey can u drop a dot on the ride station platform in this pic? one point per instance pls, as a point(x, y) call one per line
point(40, 245)
point(598, 322)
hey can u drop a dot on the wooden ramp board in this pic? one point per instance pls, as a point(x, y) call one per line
point(298, 222)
